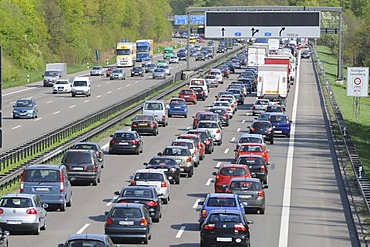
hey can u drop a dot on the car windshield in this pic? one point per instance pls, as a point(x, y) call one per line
point(147, 176)
point(124, 136)
point(250, 148)
point(153, 106)
point(274, 109)
point(24, 103)
point(41, 175)
point(137, 192)
point(215, 218)
point(250, 140)
point(96, 68)
point(85, 243)
point(261, 102)
point(136, 69)
point(80, 83)
point(176, 151)
point(15, 202)
point(207, 125)
point(150, 66)
point(278, 119)
point(183, 144)
point(51, 73)
point(187, 92)
point(159, 70)
point(61, 82)
point(221, 202)
point(77, 157)
point(245, 185)
point(232, 171)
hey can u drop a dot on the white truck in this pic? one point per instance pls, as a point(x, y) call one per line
point(53, 72)
point(257, 54)
point(272, 81)
point(274, 45)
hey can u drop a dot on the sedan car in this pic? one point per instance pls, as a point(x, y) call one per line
point(306, 54)
point(166, 68)
point(128, 221)
point(206, 138)
point(225, 227)
point(212, 81)
point(250, 138)
point(88, 239)
point(200, 56)
point(146, 61)
point(22, 213)
point(118, 74)
point(177, 107)
point(174, 59)
point(225, 105)
point(198, 143)
point(62, 86)
point(159, 73)
point(25, 108)
point(275, 108)
point(146, 195)
point(124, 141)
point(150, 68)
point(205, 116)
point(226, 172)
point(145, 123)
point(168, 165)
point(137, 71)
point(97, 70)
point(259, 106)
point(161, 62)
point(200, 93)
point(189, 95)
point(251, 193)
point(182, 56)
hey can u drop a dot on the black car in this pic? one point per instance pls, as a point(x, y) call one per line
point(169, 165)
point(257, 166)
point(88, 239)
point(225, 70)
point(225, 227)
point(222, 115)
point(201, 94)
point(128, 221)
point(91, 146)
point(82, 166)
point(238, 95)
point(221, 49)
point(137, 71)
point(206, 138)
point(146, 195)
point(264, 128)
point(124, 141)
point(231, 66)
point(145, 123)
point(182, 56)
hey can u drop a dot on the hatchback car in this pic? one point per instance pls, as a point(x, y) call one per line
point(88, 239)
point(259, 106)
point(49, 182)
point(91, 146)
point(251, 193)
point(22, 213)
point(146, 195)
point(226, 172)
point(226, 105)
point(145, 123)
point(188, 95)
point(264, 128)
point(124, 141)
point(281, 124)
point(166, 68)
point(137, 71)
point(275, 108)
point(177, 107)
point(206, 138)
point(222, 115)
point(225, 227)
point(118, 74)
point(214, 128)
point(150, 68)
point(190, 144)
point(198, 142)
point(82, 166)
point(168, 165)
point(182, 156)
point(128, 221)
point(200, 56)
point(159, 73)
point(200, 93)
point(25, 108)
point(219, 201)
point(256, 164)
point(174, 59)
point(97, 70)
point(62, 86)
point(207, 115)
point(252, 148)
point(249, 138)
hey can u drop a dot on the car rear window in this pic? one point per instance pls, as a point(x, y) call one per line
point(41, 175)
point(221, 202)
point(85, 146)
point(249, 148)
point(278, 118)
point(162, 161)
point(176, 152)
point(15, 202)
point(250, 161)
point(77, 157)
point(126, 213)
point(263, 125)
point(250, 140)
point(137, 193)
point(186, 92)
point(153, 106)
point(207, 117)
point(146, 176)
point(224, 218)
point(124, 136)
point(207, 125)
point(232, 171)
point(185, 144)
point(85, 243)
point(245, 185)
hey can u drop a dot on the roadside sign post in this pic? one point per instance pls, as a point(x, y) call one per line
point(357, 86)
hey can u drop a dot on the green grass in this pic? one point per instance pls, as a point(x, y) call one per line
point(358, 127)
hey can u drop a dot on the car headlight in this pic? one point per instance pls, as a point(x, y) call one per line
point(15, 111)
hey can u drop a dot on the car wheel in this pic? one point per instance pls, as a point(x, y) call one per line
point(219, 142)
point(288, 135)
point(54, 92)
point(196, 164)
point(156, 219)
point(169, 115)
point(73, 95)
point(272, 141)
point(186, 116)
point(142, 149)
point(165, 201)
point(190, 173)
point(63, 206)
point(155, 133)
point(95, 182)
point(37, 230)
point(69, 203)
point(44, 226)
point(146, 240)
point(202, 157)
point(262, 210)
point(177, 180)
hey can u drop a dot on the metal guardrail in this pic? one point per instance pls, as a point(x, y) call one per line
point(64, 134)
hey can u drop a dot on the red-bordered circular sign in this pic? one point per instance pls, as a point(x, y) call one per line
point(357, 81)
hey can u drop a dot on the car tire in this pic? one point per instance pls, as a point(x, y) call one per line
point(196, 164)
point(202, 157)
point(190, 173)
point(63, 206)
point(272, 141)
point(95, 182)
point(43, 228)
point(165, 201)
point(156, 219)
point(146, 240)
point(177, 180)
point(155, 133)
point(288, 135)
point(169, 115)
point(186, 116)
point(69, 203)
point(73, 95)
point(37, 230)
point(262, 210)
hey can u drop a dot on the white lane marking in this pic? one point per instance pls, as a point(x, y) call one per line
point(86, 101)
point(226, 151)
point(72, 106)
point(22, 90)
point(128, 85)
point(136, 81)
point(16, 127)
point(12, 103)
point(37, 119)
point(285, 214)
point(111, 201)
point(57, 112)
point(196, 203)
point(238, 130)
point(83, 228)
point(209, 181)
point(108, 82)
point(48, 102)
point(218, 164)
point(181, 231)
point(109, 92)
point(119, 88)
point(188, 128)
point(99, 86)
point(98, 96)
point(105, 146)
point(243, 121)
point(232, 139)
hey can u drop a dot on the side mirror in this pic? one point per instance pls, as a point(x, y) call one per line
point(116, 193)
point(253, 175)
point(42, 76)
point(249, 222)
point(214, 173)
point(111, 135)
point(106, 213)
point(268, 150)
point(265, 186)
point(159, 154)
point(200, 203)
point(145, 164)
point(268, 163)
point(235, 150)
point(160, 194)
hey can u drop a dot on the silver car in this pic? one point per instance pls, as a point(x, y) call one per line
point(191, 146)
point(118, 74)
point(259, 106)
point(22, 212)
point(150, 68)
point(159, 73)
point(97, 70)
point(146, 62)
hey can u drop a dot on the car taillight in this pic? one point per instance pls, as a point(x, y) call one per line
point(201, 92)
point(122, 201)
point(22, 183)
point(239, 227)
point(253, 107)
point(108, 221)
point(61, 182)
point(133, 182)
point(261, 193)
point(270, 129)
point(113, 142)
point(262, 169)
point(143, 222)
point(209, 227)
point(133, 142)
point(151, 203)
point(228, 109)
point(232, 105)
point(217, 177)
point(225, 115)
point(172, 169)
point(1, 211)
point(204, 213)
point(218, 131)
point(208, 142)
point(134, 125)
point(163, 184)
point(252, 129)
point(31, 211)
point(188, 159)
point(152, 125)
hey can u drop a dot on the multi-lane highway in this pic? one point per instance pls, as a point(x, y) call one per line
point(303, 205)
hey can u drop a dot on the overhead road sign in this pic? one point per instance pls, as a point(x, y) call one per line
point(358, 81)
point(197, 19)
point(263, 24)
point(194, 19)
point(180, 20)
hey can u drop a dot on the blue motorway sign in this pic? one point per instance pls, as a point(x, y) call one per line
point(197, 19)
point(238, 34)
point(267, 34)
point(180, 19)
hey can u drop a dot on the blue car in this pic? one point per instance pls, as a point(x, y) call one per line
point(177, 107)
point(219, 201)
point(25, 108)
point(281, 123)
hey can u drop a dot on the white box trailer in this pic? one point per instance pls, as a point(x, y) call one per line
point(272, 81)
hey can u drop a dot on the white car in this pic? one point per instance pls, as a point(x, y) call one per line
point(191, 146)
point(213, 127)
point(212, 81)
point(250, 138)
point(62, 86)
point(226, 105)
point(218, 74)
point(231, 98)
point(174, 59)
point(155, 178)
point(166, 68)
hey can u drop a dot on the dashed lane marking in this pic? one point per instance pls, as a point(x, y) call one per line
point(209, 181)
point(72, 106)
point(83, 228)
point(16, 127)
point(196, 203)
point(181, 231)
point(111, 201)
point(226, 151)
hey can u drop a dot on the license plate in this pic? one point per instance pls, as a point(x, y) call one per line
point(177, 107)
point(278, 131)
point(126, 223)
point(77, 168)
point(123, 143)
point(14, 222)
point(245, 196)
point(143, 124)
point(42, 189)
point(263, 135)
point(186, 96)
point(218, 239)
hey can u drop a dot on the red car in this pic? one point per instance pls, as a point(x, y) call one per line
point(189, 95)
point(198, 142)
point(201, 40)
point(226, 173)
point(108, 72)
point(252, 148)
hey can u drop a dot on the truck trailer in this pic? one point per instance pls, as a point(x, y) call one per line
point(272, 81)
point(144, 49)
